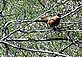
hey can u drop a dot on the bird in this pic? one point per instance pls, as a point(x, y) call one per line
point(54, 20)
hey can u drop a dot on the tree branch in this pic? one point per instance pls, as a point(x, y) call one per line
point(37, 40)
point(73, 11)
point(41, 3)
point(34, 50)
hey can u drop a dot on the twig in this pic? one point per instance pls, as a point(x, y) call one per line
point(7, 15)
point(69, 22)
point(74, 30)
point(64, 48)
point(4, 4)
point(44, 13)
point(37, 40)
point(33, 31)
point(48, 10)
point(23, 32)
point(9, 35)
point(34, 50)
point(72, 11)
point(41, 3)
point(24, 21)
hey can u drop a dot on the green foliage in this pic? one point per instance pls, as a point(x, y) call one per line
point(74, 0)
point(30, 10)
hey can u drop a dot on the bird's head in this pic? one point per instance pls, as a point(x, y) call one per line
point(59, 14)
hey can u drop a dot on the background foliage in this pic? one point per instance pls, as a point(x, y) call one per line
point(30, 10)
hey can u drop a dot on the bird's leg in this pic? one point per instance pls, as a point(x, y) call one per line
point(57, 28)
point(54, 28)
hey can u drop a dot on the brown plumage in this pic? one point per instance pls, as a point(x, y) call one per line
point(54, 21)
